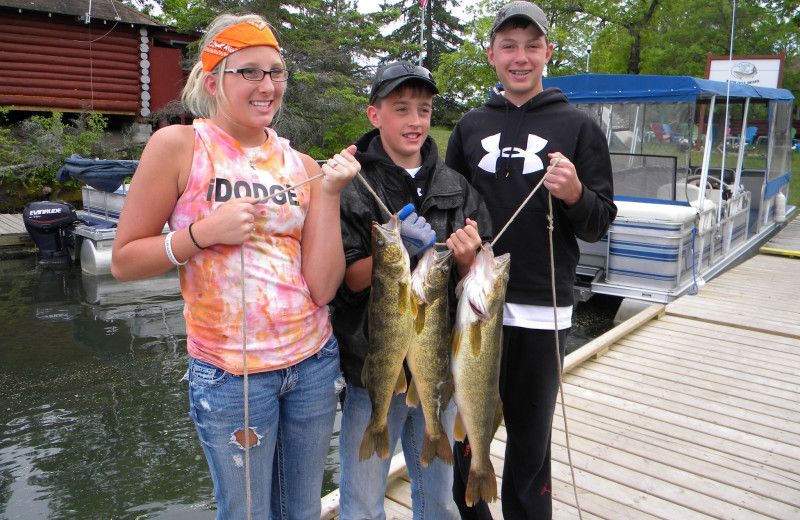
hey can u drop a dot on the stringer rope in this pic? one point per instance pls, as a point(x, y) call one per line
point(244, 355)
point(555, 314)
point(378, 199)
point(555, 310)
point(246, 398)
point(558, 352)
point(524, 202)
point(281, 192)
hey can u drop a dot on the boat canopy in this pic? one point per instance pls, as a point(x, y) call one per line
point(609, 88)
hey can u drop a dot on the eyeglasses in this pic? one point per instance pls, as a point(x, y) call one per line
point(255, 74)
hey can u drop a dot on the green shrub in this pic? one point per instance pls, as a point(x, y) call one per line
point(49, 140)
point(9, 145)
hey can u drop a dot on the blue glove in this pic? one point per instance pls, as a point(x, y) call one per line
point(416, 233)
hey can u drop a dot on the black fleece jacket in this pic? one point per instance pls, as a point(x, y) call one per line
point(502, 150)
point(447, 201)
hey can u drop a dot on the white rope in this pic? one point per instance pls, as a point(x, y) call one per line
point(558, 352)
point(555, 309)
point(244, 354)
point(378, 199)
point(246, 398)
point(555, 315)
point(524, 202)
point(281, 192)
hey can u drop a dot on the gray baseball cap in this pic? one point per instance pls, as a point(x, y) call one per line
point(526, 10)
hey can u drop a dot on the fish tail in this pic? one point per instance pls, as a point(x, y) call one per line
point(481, 486)
point(436, 445)
point(376, 440)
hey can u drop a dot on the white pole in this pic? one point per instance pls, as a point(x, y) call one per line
point(588, 52)
point(422, 33)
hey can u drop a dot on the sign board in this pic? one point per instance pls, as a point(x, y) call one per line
point(760, 71)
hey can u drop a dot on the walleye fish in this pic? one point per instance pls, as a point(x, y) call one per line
point(391, 325)
point(476, 352)
point(428, 356)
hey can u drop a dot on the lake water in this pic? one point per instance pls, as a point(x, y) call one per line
point(94, 420)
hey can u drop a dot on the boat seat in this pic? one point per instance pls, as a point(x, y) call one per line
point(668, 212)
point(654, 211)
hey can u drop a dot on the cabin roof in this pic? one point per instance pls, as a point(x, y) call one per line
point(110, 10)
point(606, 88)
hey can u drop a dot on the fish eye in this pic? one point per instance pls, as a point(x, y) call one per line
point(380, 242)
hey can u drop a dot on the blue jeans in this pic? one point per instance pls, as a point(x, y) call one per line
point(362, 485)
point(291, 411)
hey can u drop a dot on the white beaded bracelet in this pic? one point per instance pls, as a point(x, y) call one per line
point(168, 247)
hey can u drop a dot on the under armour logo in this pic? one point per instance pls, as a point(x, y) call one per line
point(532, 161)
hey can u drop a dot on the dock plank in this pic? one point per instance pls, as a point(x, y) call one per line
point(785, 243)
point(12, 230)
point(693, 413)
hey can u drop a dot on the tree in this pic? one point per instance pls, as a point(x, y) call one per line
point(465, 74)
point(442, 31)
point(325, 44)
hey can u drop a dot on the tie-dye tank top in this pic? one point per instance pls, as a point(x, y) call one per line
point(284, 326)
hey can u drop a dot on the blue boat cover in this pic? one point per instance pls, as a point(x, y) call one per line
point(100, 174)
point(609, 88)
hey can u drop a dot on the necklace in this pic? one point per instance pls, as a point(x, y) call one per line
point(251, 154)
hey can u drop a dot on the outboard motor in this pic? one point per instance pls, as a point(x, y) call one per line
point(50, 225)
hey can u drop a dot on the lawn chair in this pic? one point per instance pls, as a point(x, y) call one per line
point(750, 134)
point(661, 135)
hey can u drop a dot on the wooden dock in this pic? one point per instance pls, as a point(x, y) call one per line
point(12, 230)
point(689, 411)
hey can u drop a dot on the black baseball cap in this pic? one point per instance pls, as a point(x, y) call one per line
point(390, 76)
point(526, 10)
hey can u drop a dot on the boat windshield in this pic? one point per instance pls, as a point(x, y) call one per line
point(658, 147)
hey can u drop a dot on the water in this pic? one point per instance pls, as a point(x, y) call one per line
point(94, 420)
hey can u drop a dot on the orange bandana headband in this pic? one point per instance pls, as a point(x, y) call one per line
point(239, 36)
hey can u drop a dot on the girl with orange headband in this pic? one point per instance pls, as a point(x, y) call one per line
point(256, 275)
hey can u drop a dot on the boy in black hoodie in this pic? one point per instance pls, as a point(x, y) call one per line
point(401, 164)
point(504, 148)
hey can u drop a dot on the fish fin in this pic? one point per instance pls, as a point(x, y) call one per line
point(374, 441)
point(498, 416)
point(458, 428)
point(402, 384)
point(444, 450)
point(419, 322)
point(481, 486)
point(475, 338)
point(455, 340)
point(414, 306)
point(412, 397)
point(436, 446)
point(365, 371)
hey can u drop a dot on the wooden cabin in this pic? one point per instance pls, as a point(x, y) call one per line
point(90, 55)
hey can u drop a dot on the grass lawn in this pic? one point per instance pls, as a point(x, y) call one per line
point(441, 135)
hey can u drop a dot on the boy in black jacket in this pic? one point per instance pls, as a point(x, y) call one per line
point(401, 164)
point(504, 148)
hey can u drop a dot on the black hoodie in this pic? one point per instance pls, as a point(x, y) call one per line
point(502, 150)
point(447, 201)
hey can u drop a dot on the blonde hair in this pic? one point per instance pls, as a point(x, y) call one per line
point(197, 100)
